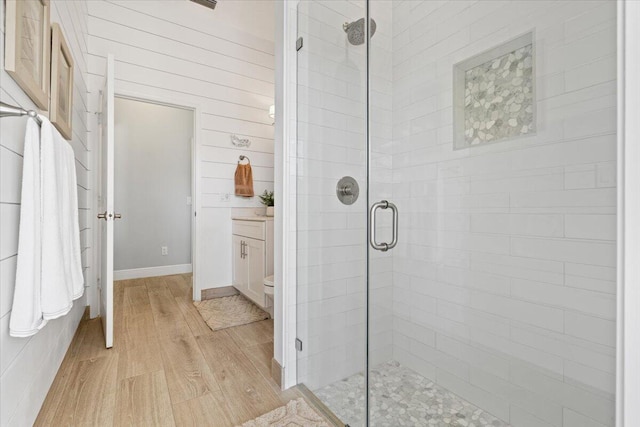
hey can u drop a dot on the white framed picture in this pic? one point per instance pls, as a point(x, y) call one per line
point(27, 44)
point(61, 83)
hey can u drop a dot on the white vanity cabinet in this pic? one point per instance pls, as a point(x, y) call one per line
point(252, 256)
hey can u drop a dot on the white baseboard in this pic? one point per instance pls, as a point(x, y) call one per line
point(165, 270)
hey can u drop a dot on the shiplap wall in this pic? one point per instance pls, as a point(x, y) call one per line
point(504, 278)
point(184, 54)
point(29, 365)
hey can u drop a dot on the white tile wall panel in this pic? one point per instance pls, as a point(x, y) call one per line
point(580, 176)
point(514, 242)
point(331, 236)
point(521, 418)
point(584, 252)
point(486, 400)
point(598, 71)
point(590, 328)
point(521, 400)
point(598, 227)
point(595, 303)
point(592, 405)
point(590, 378)
point(575, 419)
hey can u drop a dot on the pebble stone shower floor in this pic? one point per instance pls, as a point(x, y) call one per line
point(401, 397)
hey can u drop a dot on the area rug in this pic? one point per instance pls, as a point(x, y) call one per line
point(297, 413)
point(225, 312)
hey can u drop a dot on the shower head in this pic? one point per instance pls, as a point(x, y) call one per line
point(355, 31)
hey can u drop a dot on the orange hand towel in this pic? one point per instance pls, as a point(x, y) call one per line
point(244, 180)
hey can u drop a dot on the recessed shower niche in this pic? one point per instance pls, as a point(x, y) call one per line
point(494, 94)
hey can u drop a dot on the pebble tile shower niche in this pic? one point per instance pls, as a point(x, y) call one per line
point(494, 94)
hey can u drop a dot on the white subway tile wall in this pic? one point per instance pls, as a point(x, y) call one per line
point(502, 288)
point(331, 257)
point(504, 277)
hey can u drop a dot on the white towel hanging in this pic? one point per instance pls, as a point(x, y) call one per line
point(49, 267)
point(26, 314)
point(62, 279)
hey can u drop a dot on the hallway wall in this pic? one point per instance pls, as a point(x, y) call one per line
point(29, 365)
point(187, 54)
point(152, 185)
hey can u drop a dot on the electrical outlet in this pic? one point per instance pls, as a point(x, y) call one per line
point(225, 197)
point(165, 250)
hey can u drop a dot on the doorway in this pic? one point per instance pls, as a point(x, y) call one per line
point(153, 189)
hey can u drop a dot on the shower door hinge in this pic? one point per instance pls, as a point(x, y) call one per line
point(298, 344)
point(299, 43)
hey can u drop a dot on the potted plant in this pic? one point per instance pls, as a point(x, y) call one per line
point(267, 199)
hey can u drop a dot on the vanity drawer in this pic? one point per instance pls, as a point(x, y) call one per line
point(251, 229)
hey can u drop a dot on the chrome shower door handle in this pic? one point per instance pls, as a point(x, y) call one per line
point(384, 204)
point(372, 224)
point(394, 236)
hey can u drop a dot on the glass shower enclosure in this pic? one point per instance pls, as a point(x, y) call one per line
point(456, 211)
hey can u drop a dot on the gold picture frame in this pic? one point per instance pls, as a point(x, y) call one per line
point(27, 46)
point(61, 108)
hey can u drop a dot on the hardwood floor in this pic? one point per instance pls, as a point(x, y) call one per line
point(167, 368)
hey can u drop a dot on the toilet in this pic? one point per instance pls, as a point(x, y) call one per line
point(268, 294)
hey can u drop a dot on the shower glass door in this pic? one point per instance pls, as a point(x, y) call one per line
point(332, 234)
point(491, 126)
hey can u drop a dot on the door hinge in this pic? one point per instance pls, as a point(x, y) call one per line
point(299, 43)
point(298, 344)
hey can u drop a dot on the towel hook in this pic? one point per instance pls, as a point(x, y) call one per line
point(242, 157)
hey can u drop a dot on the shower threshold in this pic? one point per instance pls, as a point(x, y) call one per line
point(402, 397)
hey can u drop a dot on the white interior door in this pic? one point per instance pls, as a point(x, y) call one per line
point(107, 214)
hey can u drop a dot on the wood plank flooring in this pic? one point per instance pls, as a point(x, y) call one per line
point(167, 368)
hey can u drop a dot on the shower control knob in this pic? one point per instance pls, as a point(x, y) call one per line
point(347, 190)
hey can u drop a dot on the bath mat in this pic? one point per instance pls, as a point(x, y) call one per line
point(225, 312)
point(297, 413)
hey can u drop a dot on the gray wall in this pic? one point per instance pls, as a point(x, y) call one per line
point(153, 182)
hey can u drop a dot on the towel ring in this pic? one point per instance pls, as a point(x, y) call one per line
point(244, 158)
